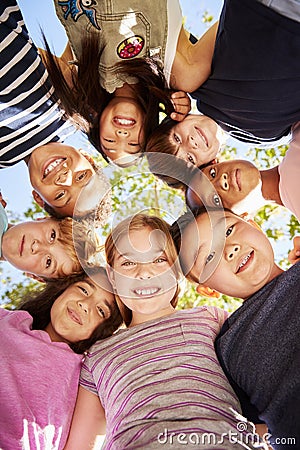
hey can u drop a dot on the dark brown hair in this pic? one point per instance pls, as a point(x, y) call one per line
point(86, 99)
point(39, 304)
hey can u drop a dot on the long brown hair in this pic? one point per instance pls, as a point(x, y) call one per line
point(39, 304)
point(86, 99)
point(138, 222)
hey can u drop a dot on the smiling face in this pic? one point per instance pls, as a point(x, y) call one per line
point(142, 276)
point(58, 173)
point(34, 247)
point(242, 259)
point(81, 308)
point(121, 133)
point(197, 138)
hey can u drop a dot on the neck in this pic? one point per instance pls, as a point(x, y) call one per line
point(138, 318)
point(270, 185)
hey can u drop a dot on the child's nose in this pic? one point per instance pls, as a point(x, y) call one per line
point(231, 251)
point(193, 142)
point(144, 272)
point(224, 181)
point(64, 177)
point(83, 306)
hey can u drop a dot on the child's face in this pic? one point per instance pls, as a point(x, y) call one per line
point(198, 139)
point(121, 131)
point(142, 276)
point(58, 173)
point(236, 182)
point(81, 308)
point(33, 247)
point(238, 263)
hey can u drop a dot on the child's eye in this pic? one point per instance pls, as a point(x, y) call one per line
point(128, 263)
point(109, 140)
point(216, 200)
point(48, 262)
point(229, 231)
point(52, 236)
point(60, 195)
point(176, 138)
point(81, 176)
point(213, 173)
point(101, 312)
point(190, 158)
point(210, 257)
point(83, 290)
point(160, 260)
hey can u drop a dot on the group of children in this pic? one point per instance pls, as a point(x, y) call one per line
point(160, 377)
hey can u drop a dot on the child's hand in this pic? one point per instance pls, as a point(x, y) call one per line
point(182, 105)
point(2, 201)
point(294, 254)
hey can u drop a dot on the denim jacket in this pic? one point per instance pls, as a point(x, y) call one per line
point(124, 31)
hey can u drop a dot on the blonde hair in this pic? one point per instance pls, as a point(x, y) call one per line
point(135, 223)
point(79, 241)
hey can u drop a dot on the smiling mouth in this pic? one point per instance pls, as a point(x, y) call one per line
point(21, 248)
point(124, 122)
point(202, 136)
point(236, 179)
point(51, 165)
point(74, 316)
point(146, 292)
point(245, 262)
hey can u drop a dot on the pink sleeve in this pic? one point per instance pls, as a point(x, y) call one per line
point(289, 172)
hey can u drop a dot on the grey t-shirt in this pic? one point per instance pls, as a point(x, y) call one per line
point(259, 350)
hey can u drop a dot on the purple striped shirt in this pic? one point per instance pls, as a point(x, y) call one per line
point(160, 382)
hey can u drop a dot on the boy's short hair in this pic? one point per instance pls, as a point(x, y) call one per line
point(79, 241)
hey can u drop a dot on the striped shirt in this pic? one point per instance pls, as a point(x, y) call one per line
point(29, 117)
point(163, 377)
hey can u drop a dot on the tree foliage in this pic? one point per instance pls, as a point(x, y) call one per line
point(136, 189)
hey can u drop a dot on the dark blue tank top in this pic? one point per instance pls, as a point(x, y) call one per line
point(254, 88)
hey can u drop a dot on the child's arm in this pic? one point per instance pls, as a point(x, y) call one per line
point(294, 254)
point(88, 421)
point(192, 63)
point(182, 105)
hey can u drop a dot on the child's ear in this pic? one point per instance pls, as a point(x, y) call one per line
point(252, 222)
point(206, 291)
point(38, 199)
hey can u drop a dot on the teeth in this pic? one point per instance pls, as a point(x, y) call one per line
point(52, 166)
point(244, 260)
point(149, 291)
point(124, 121)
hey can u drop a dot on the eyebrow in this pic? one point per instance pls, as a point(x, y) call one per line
point(157, 253)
